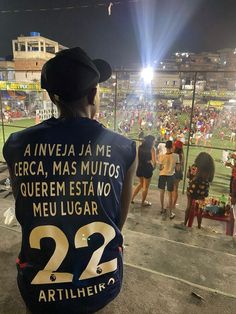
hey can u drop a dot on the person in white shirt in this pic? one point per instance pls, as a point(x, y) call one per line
point(168, 163)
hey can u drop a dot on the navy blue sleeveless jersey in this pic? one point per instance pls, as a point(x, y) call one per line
point(67, 178)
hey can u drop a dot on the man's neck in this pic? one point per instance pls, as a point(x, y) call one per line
point(81, 112)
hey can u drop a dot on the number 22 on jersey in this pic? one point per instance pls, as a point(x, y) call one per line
point(49, 274)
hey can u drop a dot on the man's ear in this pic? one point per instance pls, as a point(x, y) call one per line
point(91, 96)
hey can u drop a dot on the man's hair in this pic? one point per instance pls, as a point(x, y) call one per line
point(169, 144)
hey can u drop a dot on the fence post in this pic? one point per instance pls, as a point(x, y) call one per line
point(115, 108)
point(3, 130)
point(190, 127)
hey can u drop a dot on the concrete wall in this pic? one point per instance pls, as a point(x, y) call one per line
point(29, 64)
point(33, 55)
point(27, 76)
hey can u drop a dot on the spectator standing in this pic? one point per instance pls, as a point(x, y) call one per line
point(200, 175)
point(168, 164)
point(232, 136)
point(178, 176)
point(146, 165)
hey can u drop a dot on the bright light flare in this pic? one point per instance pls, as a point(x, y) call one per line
point(147, 74)
point(158, 25)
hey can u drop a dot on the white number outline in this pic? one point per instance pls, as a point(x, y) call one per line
point(50, 231)
point(93, 269)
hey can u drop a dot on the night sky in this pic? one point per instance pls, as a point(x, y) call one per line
point(136, 31)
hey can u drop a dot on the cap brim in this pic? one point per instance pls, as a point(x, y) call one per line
point(104, 69)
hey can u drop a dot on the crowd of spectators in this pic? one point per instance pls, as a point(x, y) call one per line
point(169, 124)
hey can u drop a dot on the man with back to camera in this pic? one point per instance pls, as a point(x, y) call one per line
point(168, 163)
point(72, 182)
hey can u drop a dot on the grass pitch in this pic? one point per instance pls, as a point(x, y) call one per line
point(220, 184)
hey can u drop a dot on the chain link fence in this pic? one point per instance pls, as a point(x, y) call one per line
point(198, 108)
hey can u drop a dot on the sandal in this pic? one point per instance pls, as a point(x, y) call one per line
point(146, 203)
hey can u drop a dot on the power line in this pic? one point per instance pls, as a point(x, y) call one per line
point(68, 8)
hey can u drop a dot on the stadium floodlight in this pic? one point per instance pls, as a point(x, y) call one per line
point(147, 74)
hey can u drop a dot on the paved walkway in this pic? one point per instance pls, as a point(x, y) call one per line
point(167, 270)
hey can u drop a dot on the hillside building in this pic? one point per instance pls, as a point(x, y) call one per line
point(30, 53)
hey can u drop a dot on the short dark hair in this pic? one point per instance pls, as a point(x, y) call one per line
point(169, 144)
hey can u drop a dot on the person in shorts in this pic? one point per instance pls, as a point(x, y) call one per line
point(146, 166)
point(178, 176)
point(168, 163)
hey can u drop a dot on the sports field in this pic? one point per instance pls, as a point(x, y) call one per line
point(15, 126)
point(222, 174)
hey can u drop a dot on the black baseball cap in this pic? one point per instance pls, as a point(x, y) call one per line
point(71, 74)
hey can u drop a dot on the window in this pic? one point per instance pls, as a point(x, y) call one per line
point(33, 46)
point(50, 49)
point(22, 46)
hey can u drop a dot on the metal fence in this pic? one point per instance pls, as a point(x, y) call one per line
point(198, 107)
